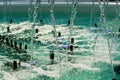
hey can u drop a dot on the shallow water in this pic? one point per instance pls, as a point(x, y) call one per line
point(90, 59)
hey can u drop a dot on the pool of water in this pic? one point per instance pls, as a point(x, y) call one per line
point(90, 59)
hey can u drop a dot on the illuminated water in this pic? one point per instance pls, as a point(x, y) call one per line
point(87, 62)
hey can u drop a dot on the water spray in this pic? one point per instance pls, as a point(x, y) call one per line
point(36, 6)
point(103, 20)
point(55, 32)
point(73, 16)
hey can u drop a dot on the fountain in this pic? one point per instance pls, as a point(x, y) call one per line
point(55, 32)
point(73, 15)
point(117, 10)
point(36, 6)
point(103, 20)
point(5, 6)
point(62, 63)
point(30, 10)
point(92, 15)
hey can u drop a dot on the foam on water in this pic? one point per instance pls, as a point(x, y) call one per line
point(84, 58)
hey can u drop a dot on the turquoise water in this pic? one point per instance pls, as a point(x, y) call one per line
point(83, 13)
point(87, 63)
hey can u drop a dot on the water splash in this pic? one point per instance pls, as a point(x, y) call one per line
point(103, 20)
point(33, 30)
point(73, 15)
point(55, 32)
